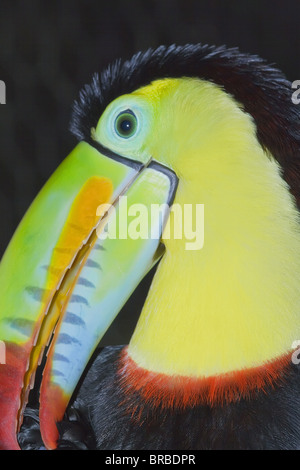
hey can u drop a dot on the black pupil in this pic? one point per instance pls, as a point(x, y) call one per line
point(125, 126)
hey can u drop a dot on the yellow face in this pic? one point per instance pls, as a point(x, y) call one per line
point(235, 303)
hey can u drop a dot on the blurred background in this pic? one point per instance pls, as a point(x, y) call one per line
point(49, 50)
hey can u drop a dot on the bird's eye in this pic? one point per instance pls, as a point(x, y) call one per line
point(126, 124)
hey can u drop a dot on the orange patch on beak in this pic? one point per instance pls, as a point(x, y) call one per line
point(81, 221)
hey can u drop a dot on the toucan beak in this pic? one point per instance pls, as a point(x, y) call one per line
point(64, 278)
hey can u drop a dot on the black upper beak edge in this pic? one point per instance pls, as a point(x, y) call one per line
point(138, 166)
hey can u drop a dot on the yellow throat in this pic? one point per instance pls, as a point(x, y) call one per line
point(234, 304)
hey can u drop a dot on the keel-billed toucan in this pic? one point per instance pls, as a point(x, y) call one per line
point(211, 363)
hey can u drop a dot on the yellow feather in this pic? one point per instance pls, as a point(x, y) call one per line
point(235, 303)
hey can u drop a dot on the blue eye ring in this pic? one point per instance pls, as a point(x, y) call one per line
point(126, 124)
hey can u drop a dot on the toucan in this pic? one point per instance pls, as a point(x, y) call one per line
point(213, 360)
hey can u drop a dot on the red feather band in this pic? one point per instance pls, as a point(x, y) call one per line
point(162, 390)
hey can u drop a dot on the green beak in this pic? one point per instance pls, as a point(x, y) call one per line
point(73, 262)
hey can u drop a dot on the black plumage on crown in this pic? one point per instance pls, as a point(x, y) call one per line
point(261, 89)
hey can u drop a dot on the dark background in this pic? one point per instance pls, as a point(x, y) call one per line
point(49, 49)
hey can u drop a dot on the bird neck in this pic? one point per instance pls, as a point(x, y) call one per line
point(234, 304)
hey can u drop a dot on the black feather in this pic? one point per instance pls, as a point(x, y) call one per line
point(262, 90)
point(101, 417)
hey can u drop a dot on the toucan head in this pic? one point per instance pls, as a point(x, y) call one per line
point(176, 126)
